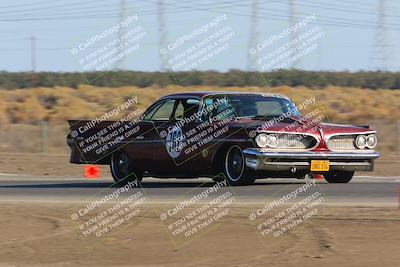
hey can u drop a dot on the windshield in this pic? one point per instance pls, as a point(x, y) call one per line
point(249, 106)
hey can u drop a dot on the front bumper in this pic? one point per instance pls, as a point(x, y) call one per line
point(262, 160)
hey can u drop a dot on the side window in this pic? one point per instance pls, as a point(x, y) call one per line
point(162, 112)
point(186, 108)
point(208, 107)
point(150, 113)
point(219, 108)
point(177, 109)
point(179, 112)
point(191, 107)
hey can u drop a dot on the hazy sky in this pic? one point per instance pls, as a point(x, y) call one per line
point(348, 43)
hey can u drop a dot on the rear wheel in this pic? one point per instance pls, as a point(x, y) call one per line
point(338, 176)
point(122, 169)
point(235, 168)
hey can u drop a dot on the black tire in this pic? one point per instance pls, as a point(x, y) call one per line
point(219, 178)
point(122, 168)
point(234, 167)
point(338, 177)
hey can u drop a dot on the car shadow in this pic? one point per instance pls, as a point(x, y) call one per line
point(149, 185)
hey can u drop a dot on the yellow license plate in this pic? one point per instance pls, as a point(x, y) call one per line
point(319, 165)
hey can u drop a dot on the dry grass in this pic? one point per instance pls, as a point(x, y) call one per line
point(380, 108)
point(21, 108)
point(56, 105)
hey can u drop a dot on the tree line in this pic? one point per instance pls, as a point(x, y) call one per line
point(311, 79)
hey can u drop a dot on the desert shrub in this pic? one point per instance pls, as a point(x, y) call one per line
point(339, 104)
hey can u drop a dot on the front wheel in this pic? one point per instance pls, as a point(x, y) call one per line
point(338, 176)
point(235, 168)
point(122, 169)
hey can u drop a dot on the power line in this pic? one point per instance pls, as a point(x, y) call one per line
point(46, 7)
point(95, 15)
point(92, 11)
point(346, 9)
point(20, 5)
point(327, 20)
point(64, 11)
point(278, 15)
point(256, 12)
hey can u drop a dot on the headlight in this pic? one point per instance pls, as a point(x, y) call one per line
point(264, 140)
point(361, 141)
point(272, 140)
point(371, 141)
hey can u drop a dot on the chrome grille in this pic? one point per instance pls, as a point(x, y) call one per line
point(295, 141)
point(342, 142)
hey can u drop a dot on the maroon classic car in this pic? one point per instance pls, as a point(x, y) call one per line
point(234, 136)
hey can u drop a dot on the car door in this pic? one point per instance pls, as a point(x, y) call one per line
point(173, 121)
point(141, 144)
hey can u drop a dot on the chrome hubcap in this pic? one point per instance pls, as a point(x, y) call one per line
point(234, 163)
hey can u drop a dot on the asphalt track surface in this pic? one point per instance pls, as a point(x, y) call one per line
point(361, 191)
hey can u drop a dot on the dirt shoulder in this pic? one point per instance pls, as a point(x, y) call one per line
point(45, 235)
point(58, 165)
point(43, 165)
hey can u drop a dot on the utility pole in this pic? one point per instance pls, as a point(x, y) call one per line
point(380, 55)
point(33, 60)
point(293, 35)
point(252, 59)
point(121, 32)
point(162, 44)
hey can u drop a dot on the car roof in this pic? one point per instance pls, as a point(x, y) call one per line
point(201, 94)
